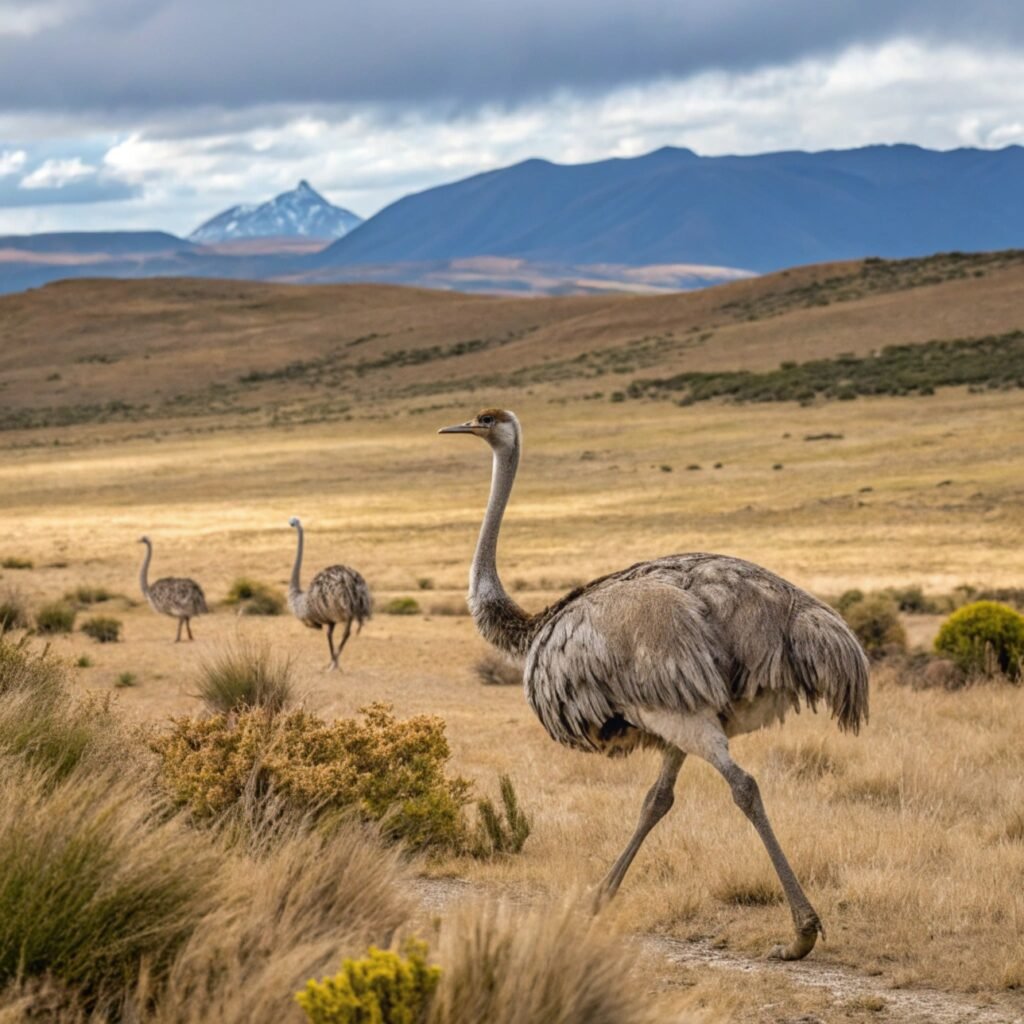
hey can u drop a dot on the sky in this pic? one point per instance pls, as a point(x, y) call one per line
point(132, 114)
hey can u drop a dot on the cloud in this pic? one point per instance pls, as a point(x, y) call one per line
point(53, 174)
point(12, 161)
point(148, 55)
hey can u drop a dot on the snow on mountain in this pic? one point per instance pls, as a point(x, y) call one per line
point(301, 213)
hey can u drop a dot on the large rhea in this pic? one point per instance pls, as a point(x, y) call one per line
point(181, 598)
point(681, 653)
point(336, 595)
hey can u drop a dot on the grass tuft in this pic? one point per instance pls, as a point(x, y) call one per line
point(13, 610)
point(504, 831)
point(251, 597)
point(13, 562)
point(402, 606)
point(246, 675)
point(55, 617)
point(495, 669)
point(103, 629)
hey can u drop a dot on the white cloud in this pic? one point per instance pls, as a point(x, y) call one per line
point(12, 161)
point(57, 173)
point(31, 17)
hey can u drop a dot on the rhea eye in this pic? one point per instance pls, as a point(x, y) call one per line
point(487, 421)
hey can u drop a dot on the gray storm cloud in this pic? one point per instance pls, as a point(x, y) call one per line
point(148, 55)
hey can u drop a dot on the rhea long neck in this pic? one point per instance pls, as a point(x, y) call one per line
point(497, 616)
point(295, 587)
point(144, 572)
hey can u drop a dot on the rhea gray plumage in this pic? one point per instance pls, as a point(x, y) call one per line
point(680, 653)
point(181, 598)
point(337, 594)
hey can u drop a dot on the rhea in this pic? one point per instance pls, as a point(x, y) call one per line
point(681, 653)
point(179, 597)
point(337, 594)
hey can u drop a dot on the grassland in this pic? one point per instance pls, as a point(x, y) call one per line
point(906, 835)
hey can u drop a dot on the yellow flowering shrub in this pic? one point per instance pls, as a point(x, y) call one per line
point(382, 988)
point(384, 769)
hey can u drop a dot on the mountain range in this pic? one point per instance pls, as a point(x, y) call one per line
point(300, 213)
point(668, 220)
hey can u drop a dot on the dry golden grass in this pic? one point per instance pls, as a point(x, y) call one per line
point(908, 837)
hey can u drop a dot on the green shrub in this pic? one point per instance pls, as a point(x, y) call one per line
point(382, 988)
point(55, 617)
point(246, 676)
point(13, 562)
point(97, 887)
point(103, 629)
point(125, 679)
point(84, 661)
point(82, 596)
point(377, 767)
point(984, 638)
point(402, 606)
point(13, 613)
point(501, 832)
point(255, 598)
point(425, 583)
point(876, 622)
point(912, 600)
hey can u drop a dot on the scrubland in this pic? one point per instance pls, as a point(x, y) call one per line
point(909, 837)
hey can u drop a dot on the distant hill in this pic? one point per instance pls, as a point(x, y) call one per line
point(300, 213)
point(96, 243)
point(671, 206)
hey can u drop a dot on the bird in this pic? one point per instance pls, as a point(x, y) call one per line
point(176, 596)
point(335, 594)
point(680, 653)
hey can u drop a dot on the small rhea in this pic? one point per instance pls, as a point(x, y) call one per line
point(179, 597)
point(336, 595)
point(681, 653)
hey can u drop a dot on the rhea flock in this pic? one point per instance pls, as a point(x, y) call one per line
point(179, 597)
point(680, 653)
point(337, 594)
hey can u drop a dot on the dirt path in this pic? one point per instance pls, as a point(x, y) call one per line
point(892, 1005)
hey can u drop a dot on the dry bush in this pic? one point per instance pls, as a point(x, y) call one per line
point(875, 621)
point(251, 597)
point(378, 767)
point(103, 629)
point(246, 675)
point(13, 610)
point(96, 883)
point(494, 669)
point(452, 607)
point(546, 965)
point(55, 617)
point(984, 639)
point(402, 606)
point(14, 562)
point(83, 595)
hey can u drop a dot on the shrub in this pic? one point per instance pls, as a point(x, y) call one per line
point(495, 669)
point(383, 987)
point(13, 562)
point(84, 661)
point(85, 595)
point(501, 832)
point(548, 965)
point(377, 767)
point(97, 887)
point(876, 622)
point(425, 583)
point(912, 600)
point(246, 676)
point(13, 613)
point(454, 607)
point(55, 617)
point(125, 679)
point(984, 638)
point(255, 598)
point(103, 629)
point(402, 606)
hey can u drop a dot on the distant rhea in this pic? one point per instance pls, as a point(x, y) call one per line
point(680, 653)
point(337, 594)
point(178, 597)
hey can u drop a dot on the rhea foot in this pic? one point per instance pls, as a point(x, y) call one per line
point(806, 936)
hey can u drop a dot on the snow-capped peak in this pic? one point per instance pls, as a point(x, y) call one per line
point(301, 213)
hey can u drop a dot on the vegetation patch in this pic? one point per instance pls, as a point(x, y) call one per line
point(84, 595)
point(984, 639)
point(55, 617)
point(246, 676)
point(252, 597)
point(13, 610)
point(504, 831)
point(991, 362)
point(495, 669)
point(13, 562)
point(103, 629)
point(876, 622)
point(402, 606)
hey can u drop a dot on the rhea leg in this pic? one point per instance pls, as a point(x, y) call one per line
point(188, 628)
point(703, 735)
point(177, 638)
point(344, 640)
point(656, 805)
point(330, 645)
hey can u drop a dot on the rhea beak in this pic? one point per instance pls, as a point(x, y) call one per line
point(459, 428)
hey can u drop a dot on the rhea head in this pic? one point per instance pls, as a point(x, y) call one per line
point(144, 539)
point(498, 427)
point(295, 522)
